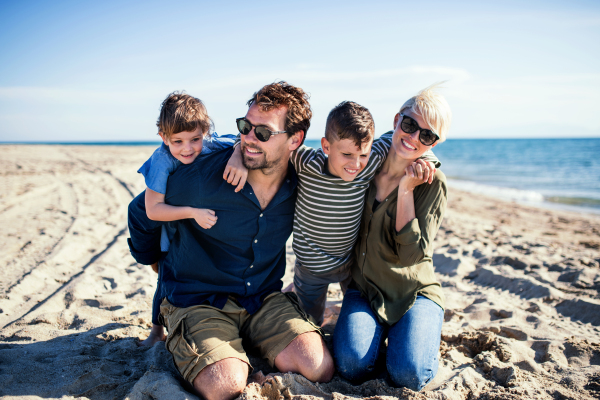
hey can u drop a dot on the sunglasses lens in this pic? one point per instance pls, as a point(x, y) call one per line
point(427, 137)
point(243, 126)
point(262, 133)
point(409, 125)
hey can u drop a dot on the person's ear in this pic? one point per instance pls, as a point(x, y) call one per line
point(164, 138)
point(396, 119)
point(296, 140)
point(435, 144)
point(325, 145)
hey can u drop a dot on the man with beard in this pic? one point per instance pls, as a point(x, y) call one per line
point(222, 285)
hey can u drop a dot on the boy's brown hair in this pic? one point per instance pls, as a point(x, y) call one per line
point(180, 112)
point(278, 94)
point(349, 120)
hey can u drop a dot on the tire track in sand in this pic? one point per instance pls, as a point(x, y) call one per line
point(100, 211)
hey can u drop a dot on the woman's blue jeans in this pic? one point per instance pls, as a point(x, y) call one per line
point(413, 342)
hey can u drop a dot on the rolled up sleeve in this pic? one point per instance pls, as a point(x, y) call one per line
point(144, 240)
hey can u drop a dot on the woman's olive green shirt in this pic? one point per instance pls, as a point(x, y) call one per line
point(391, 267)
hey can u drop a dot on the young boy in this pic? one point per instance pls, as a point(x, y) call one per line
point(331, 186)
point(183, 125)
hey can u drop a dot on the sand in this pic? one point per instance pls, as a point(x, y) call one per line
point(522, 289)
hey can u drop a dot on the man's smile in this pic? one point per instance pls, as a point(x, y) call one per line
point(251, 151)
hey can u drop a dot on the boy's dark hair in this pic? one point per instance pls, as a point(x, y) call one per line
point(180, 112)
point(278, 94)
point(349, 120)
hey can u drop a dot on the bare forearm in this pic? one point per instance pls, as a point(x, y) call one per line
point(165, 212)
point(405, 209)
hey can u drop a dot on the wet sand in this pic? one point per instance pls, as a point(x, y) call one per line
point(522, 289)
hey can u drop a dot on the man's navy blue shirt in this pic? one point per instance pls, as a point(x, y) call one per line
point(243, 254)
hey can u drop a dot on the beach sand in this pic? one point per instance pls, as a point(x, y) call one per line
point(522, 289)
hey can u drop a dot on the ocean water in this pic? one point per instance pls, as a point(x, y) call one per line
point(554, 173)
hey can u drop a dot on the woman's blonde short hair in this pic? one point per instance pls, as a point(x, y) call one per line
point(433, 108)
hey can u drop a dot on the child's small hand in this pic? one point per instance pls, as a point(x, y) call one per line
point(204, 217)
point(235, 172)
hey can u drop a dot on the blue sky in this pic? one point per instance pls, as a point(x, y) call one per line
point(71, 71)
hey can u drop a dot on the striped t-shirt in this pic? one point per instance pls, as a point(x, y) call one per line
point(328, 209)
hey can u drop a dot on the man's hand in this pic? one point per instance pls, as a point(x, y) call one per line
point(204, 217)
point(235, 172)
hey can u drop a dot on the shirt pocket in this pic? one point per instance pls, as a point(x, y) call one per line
point(278, 228)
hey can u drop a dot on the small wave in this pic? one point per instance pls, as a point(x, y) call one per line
point(529, 197)
point(500, 193)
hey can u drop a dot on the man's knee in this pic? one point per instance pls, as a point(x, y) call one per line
point(225, 379)
point(308, 356)
point(327, 367)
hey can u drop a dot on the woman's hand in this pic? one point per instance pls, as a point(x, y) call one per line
point(417, 173)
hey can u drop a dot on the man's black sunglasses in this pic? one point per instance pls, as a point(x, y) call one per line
point(261, 132)
point(426, 136)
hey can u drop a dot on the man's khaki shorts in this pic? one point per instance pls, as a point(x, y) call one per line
point(202, 335)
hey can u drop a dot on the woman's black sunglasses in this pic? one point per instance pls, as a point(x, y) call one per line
point(426, 136)
point(262, 133)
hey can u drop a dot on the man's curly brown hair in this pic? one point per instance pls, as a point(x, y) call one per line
point(278, 94)
point(180, 112)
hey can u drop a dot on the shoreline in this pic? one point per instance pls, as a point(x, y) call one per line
point(575, 203)
point(522, 288)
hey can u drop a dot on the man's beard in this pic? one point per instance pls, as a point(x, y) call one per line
point(252, 163)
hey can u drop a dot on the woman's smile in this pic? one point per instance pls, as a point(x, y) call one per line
point(407, 145)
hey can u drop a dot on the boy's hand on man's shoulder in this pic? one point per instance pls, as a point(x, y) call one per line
point(235, 172)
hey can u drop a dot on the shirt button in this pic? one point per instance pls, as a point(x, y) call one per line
point(261, 215)
point(255, 241)
point(363, 254)
point(252, 266)
point(248, 283)
point(386, 199)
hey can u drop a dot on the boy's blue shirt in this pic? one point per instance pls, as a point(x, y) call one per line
point(157, 169)
point(161, 164)
point(242, 255)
